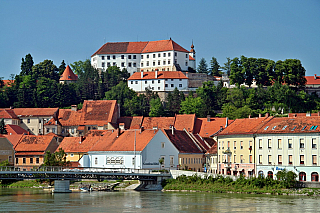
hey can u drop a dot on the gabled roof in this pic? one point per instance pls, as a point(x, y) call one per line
point(163, 45)
point(125, 141)
point(160, 75)
point(181, 140)
point(291, 125)
point(121, 47)
point(14, 139)
point(33, 143)
point(213, 150)
point(185, 122)
point(245, 126)
point(133, 122)
point(312, 80)
point(68, 75)
point(78, 144)
point(15, 130)
point(206, 128)
point(35, 112)
point(158, 122)
point(7, 113)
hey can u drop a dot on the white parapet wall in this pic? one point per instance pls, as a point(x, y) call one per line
point(177, 173)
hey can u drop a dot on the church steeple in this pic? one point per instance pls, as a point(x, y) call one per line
point(192, 57)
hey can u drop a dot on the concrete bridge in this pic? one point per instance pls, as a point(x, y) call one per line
point(62, 175)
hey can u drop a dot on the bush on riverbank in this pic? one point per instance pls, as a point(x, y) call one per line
point(22, 184)
point(222, 184)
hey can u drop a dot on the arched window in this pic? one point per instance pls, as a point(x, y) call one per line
point(260, 174)
point(314, 176)
point(302, 176)
point(270, 174)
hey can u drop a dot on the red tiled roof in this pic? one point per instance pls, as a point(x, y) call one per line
point(52, 121)
point(125, 142)
point(182, 141)
point(68, 75)
point(96, 133)
point(35, 112)
point(160, 75)
point(163, 45)
point(312, 80)
point(206, 129)
point(14, 139)
point(191, 58)
point(121, 47)
point(159, 122)
point(78, 144)
point(245, 126)
point(291, 125)
point(33, 143)
point(15, 129)
point(7, 114)
point(134, 122)
point(213, 149)
point(185, 122)
point(8, 82)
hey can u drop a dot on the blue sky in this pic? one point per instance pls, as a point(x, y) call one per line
point(74, 30)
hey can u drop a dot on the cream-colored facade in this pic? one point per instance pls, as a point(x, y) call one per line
point(236, 155)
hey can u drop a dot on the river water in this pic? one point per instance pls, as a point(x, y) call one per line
point(34, 200)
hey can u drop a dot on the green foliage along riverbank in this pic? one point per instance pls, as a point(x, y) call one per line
point(255, 185)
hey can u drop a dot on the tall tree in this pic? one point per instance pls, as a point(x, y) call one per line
point(294, 73)
point(203, 67)
point(237, 74)
point(62, 67)
point(45, 69)
point(192, 105)
point(227, 66)
point(215, 67)
point(26, 65)
point(156, 108)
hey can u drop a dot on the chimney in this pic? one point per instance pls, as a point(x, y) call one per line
point(227, 119)
point(259, 115)
point(156, 74)
point(141, 129)
point(118, 132)
point(267, 114)
point(208, 118)
point(315, 76)
point(141, 75)
point(249, 116)
point(81, 139)
point(73, 107)
point(121, 126)
point(172, 130)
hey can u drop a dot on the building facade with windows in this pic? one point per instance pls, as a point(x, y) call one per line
point(163, 55)
point(290, 143)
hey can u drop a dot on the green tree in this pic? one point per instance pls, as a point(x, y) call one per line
point(57, 158)
point(294, 73)
point(26, 65)
point(192, 105)
point(227, 66)
point(45, 69)
point(46, 93)
point(173, 102)
point(62, 67)
point(203, 67)
point(237, 74)
point(3, 129)
point(156, 108)
point(214, 67)
point(208, 94)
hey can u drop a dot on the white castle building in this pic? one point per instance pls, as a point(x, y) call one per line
point(144, 56)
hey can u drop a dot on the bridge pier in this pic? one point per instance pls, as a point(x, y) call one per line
point(61, 186)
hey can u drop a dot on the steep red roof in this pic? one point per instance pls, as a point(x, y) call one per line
point(15, 130)
point(185, 122)
point(7, 113)
point(163, 45)
point(191, 58)
point(206, 128)
point(78, 144)
point(125, 141)
point(182, 141)
point(14, 139)
point(35, 112)
point(33, 143)
point(133, 122)
point(121, 47)
point(159, 122)
point(245, 126)
point(213, 150)
point(312, 80)
point(68, 75)
point(291, 125)
point(160, 75)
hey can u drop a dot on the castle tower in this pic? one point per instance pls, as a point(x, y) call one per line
point(192, 58)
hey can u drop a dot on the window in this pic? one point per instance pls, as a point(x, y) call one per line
point(31, 160)
point(108, 64)
point(141, 64)
point(180, 85)
point(134, 64)
point(147, 63)
point(129, 64)
point(260, 143)
point(158, 88)
point(175, 54)
point(241, 144)
point(269, 143)
point(171, 160)
point(158, 62)
point(145, 82)
point(37, 160)
point(103, 65)
point(122, 56)
point(108, 57)
point(314, 159)
point(129, 56)
point(48, 130)
point(222, 144)
point(159, 81)
point(39, 121)
point(114, 57)
point(250, 145)
point(24, 160)
point(234, 144)
point(279, 159)
point(71, 155)
point(148, 56)
point(234, 159)
point(314, 143)
point(290, 159)
point(168, 61)
point(302, 176)
point(279, 144)
point(250, 158)
point(171, 79)
point(114, 64)
point(241, 159)
point(122, 64)
point(301, 143)
point(260, 159)
point(152, 88)
point(186, 63)
point(269, 159)
point(166, 85)
point(301, 159)
point(131, 82)
point(154, 55)
point(169, 54)
point(17, 160)
point(164, 54)
point(180, 79)
point(162, 145)
point(10, 159)
point(136, 82)
point(290, 143)
point(154, 63)
point(152, 81)
point(172, 85)
point(135, 57)
point(95, 160)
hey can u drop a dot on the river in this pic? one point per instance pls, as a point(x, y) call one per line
point(34, 200)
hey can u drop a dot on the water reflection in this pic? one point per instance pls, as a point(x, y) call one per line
point(131, 201)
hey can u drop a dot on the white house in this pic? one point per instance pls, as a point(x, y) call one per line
point(158, 81)
point(290, 143)
point(164, 55)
